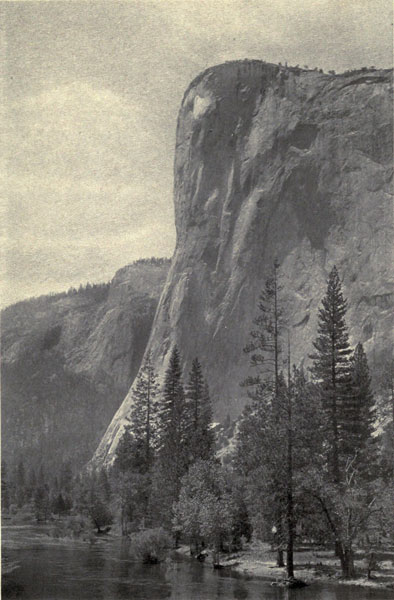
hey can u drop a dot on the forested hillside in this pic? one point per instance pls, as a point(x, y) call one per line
point(67, 361)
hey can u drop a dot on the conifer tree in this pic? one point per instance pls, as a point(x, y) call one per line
point(59, 506)
point(385, 380)
point(331, 368)
point(265, 346)
point(66, 477)
point(20, 484)
point(143, 414)
point(32, 484)
point(172, 411)
point(173, 457)
point(41, 503)
point(360, 415)
point(198, 405)
point(124, 458)
point(265, 350)
point(130, 480)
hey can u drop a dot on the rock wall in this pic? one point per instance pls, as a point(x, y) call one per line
point(68, 361)
point(274, 162)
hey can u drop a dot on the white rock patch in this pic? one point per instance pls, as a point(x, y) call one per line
point(201, 105)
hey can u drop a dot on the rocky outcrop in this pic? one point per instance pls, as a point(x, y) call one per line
point(274, 162)
point(69, 359)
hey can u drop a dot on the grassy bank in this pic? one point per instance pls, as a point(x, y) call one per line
point(312, 564)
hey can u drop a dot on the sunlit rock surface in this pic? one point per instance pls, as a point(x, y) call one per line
point(274, 162)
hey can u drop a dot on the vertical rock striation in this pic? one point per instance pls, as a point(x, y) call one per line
point(274, 162)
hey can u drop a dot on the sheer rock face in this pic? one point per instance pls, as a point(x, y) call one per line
point(68, 361)
point(274, 162)
point(101, 334)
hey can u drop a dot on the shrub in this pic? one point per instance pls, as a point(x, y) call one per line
point(101, 516)
point(151, 545)
point(22, 515)
point(71, 527)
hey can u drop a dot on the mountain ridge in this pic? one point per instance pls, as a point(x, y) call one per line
point(68, 359)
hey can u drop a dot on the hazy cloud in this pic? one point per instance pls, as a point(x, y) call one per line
point(92, 93)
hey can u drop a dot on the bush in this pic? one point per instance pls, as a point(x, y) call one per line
point(71, 527)
point(22, 515)
point(151, 545)
point(101, 517)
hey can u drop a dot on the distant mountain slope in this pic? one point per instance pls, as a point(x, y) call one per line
point(68, 360)
point(273, 162)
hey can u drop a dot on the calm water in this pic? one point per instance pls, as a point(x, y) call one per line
point(53, 570)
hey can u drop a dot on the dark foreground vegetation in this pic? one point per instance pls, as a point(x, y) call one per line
point(311, 464)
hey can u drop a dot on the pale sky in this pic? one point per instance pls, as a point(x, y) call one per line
point(92, 91)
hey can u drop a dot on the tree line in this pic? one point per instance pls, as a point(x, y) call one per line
point(312, 459)
point(308, 451)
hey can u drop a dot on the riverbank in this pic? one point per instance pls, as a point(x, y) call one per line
point(312, 565)
point(52, 569)
point(256, 560)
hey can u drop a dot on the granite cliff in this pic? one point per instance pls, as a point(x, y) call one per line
point(272, 162)
point(68, 361)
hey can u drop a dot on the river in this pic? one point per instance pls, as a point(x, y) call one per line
point(50, 569)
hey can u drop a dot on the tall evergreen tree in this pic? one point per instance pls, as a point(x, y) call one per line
point(385, 380)
point(331, 368)
point(265, 348)
point(144, 412)
point(172, 410)
point(198, 405)
point(173, 457)
point(360, 415)
point(124, 457)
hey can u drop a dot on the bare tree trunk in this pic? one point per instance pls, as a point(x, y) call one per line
point(290, 509)
point(289, 482)
point(346, 556)
point(279, 560)
point(123, 520)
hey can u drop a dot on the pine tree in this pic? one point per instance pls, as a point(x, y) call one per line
point(385, 380)
point(59, 506)
point(173, 457)
point(130, 481)
point(198, 405)
point(331, 368)
point(41, 503)
point(265, 346)
point(265, 350)
point(20, 484)
point(32, 484)
point(143, 414)
point(172, 410)
point(66, 477)
point(360, 415)
point(124, 456)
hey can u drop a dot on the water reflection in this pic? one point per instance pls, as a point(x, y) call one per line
point(240, 591)
point(55, 570)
